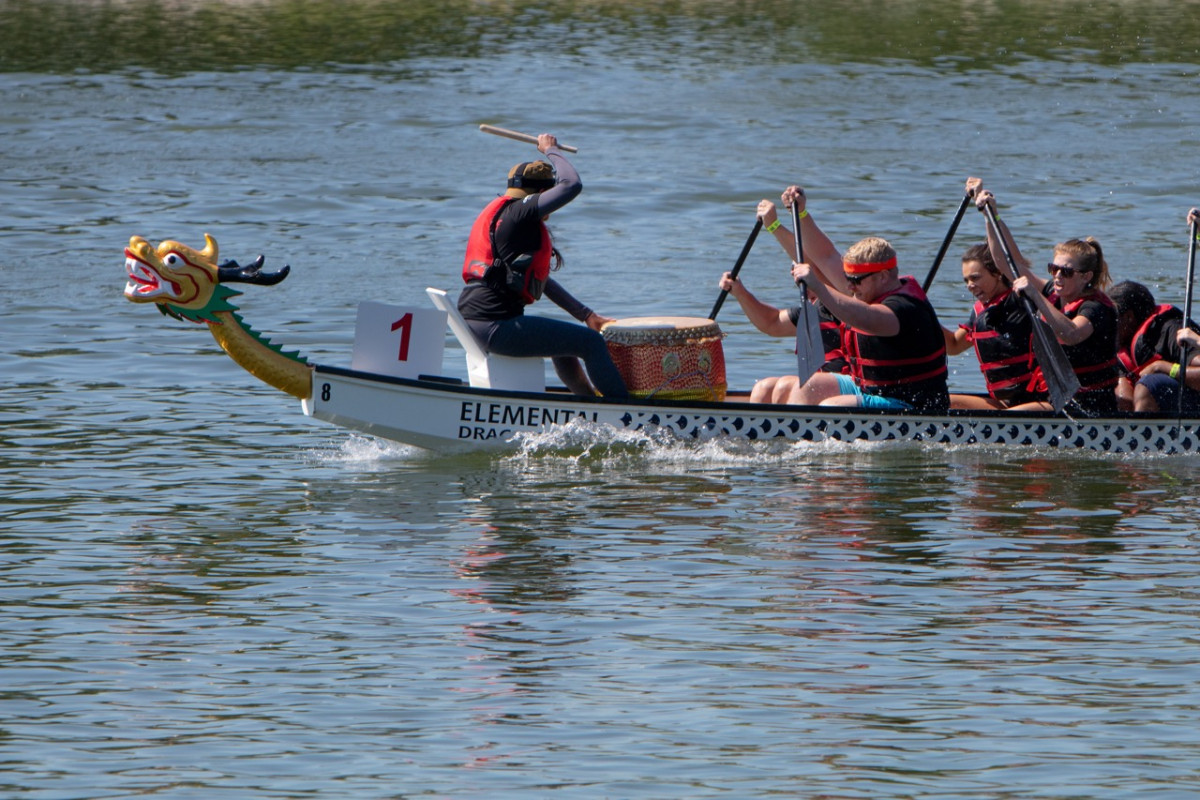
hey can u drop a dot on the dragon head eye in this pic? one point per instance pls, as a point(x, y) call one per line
point(173, 260)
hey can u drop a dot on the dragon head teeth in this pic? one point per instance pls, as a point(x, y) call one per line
point(144, 281)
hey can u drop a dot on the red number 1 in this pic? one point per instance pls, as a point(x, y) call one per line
point(404, 324)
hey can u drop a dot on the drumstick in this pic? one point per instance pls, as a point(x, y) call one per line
point(521, 137)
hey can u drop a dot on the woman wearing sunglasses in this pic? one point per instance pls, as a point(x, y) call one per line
point(1073, 303)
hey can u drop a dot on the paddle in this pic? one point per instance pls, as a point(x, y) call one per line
point(1060, 377)
point(810, 350)
point(737, 267)
point(1184, 357)
point(937, 262)
point(521, 137)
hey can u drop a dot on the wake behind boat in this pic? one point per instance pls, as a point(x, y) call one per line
point(406, 399)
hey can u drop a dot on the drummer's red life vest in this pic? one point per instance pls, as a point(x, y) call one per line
point(1005, 350)
point(1141, 350)
point(481, 252)
point(910, 366)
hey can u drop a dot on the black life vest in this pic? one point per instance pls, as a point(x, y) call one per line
point(481, 255)
point(910, 366)
point(831, 338)
point(1002, 334)
point(1094, 360)
point(1142, 348)
point(831, 341)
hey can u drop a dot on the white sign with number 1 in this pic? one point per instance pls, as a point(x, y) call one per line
point(400, 341)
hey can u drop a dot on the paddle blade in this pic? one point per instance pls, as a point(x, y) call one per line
point(810, 350)
point(1061, 379)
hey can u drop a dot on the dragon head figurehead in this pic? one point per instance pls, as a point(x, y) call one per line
point(182, 281)
point(186, 283)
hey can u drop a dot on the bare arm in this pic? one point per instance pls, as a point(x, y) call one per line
point(956, 340)
point(787, 240)
point(875, 319)
point(819, 250)
point(984, 198)
point(1188, 339)
point(767, 318)
point(1066, 329)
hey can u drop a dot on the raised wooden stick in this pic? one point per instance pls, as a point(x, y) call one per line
point(521, 137)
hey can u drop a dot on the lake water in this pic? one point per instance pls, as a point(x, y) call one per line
point(207, 594)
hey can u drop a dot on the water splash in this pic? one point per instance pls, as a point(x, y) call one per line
point(588, 443)
point(368, 452)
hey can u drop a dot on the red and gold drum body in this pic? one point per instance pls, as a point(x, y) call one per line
point(669, 358)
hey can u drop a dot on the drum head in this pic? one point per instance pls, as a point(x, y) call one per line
point(661, 323)
point(660, 330)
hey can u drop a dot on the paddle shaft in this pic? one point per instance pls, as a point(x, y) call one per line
point(937, 262)
point(804, 304)
point(1184, 356)
point(521, 137)
point(1056, 368)
point(737, 267)
point(800, 258)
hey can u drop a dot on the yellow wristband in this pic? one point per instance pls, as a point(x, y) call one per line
point(774, 226)
point(802, 214)
point(1174, 373)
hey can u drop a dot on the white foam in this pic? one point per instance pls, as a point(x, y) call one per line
point(366, 451)
point(581, 441)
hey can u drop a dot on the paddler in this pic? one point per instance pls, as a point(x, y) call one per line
point(507, 267)
point(999, 328)
point(1148, 341)
point(1083, 318)
point(890, 332)
point(783, 322)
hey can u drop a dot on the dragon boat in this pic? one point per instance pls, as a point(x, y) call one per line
point(408, 399)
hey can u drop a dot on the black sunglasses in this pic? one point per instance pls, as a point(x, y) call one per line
point(1055, 269)
point(855, 280)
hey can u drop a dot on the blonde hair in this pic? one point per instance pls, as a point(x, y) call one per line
point(871, 250)
point(1088, 257)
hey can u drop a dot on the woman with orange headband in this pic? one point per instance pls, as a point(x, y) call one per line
point(891, 335)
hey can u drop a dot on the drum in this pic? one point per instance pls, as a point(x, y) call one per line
point(669, 358)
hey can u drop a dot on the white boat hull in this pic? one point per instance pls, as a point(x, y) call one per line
point(449, 417)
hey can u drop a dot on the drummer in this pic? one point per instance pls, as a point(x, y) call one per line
point(892, 337)
point(783, 322)
point(507, 267)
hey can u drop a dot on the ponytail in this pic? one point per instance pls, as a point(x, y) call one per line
point(1089, 257)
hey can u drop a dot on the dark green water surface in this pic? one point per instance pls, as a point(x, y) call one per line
point(55, 36)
